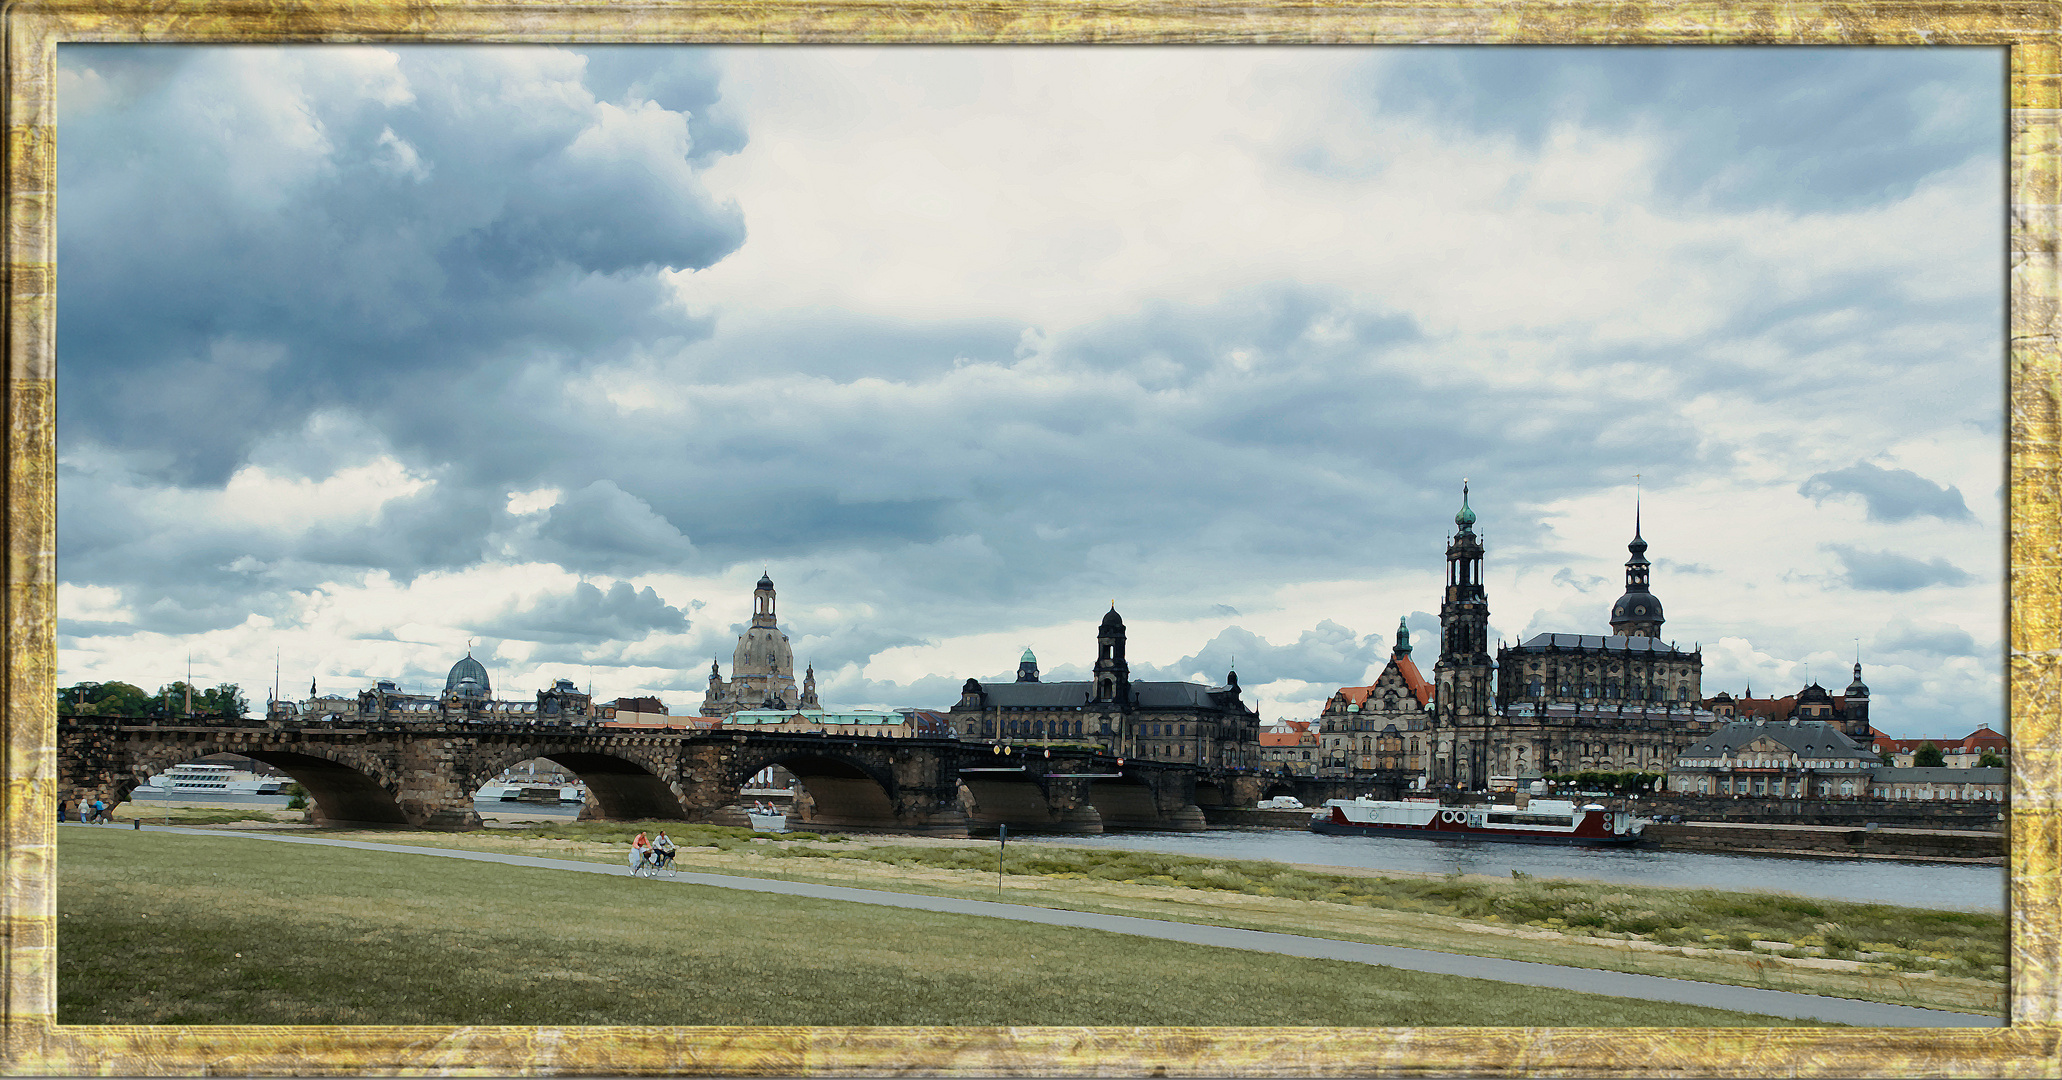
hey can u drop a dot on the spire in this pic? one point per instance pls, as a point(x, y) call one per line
point(1465, 520)
point(1402, 638)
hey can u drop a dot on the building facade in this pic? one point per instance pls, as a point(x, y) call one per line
point(762, 667)
point(1791, 759)
point(1159, 721)
point(1356, 718)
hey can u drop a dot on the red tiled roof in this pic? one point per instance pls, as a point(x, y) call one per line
point(1287, 738)
point(1411, 678)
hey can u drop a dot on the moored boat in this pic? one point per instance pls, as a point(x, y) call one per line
point(766, 818)
point(196, 778)
point(1540, 821)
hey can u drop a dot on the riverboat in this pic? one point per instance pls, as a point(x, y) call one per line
point(199, 779)
point(513, 791)
point(1540, 821)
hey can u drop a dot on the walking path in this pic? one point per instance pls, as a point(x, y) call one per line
point(1581, 980)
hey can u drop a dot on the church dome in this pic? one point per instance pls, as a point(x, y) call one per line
point(766, 581)
point(1466, 518)
point(468, 679)
point(1028, 658)
point(1113, 621)
point(1636, 607)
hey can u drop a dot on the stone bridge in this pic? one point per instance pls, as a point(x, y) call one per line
point(405, 775)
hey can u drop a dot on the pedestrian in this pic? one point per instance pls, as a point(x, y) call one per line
point(99, 810)
point(60, 809)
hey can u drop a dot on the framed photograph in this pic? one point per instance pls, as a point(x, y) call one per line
point(1548, 383)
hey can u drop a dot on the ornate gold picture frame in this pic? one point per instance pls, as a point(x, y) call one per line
point(2031, 1045)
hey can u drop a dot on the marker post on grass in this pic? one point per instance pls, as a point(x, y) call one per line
point(1002, 840)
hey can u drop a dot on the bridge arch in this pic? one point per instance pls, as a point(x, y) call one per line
point(346, 786)
point(628, 780)
point(847, 792)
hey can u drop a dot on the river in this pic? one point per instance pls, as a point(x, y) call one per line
point(1934, 885)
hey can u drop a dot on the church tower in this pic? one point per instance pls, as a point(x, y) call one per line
point(1464, 671)
point(1856, 707)
point(1027, 668)
point(1112, 674)
point(809, 700)
point(1638, 612)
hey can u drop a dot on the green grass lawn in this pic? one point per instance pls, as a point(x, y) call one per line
point(156, 928)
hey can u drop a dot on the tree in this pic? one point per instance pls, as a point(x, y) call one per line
point(224, 700)
point(103, 699)
point(1990, 760)
point(1928, 756)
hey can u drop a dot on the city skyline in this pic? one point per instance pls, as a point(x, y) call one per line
point(559, 349)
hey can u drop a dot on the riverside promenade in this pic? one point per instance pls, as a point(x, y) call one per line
point(1578, 980)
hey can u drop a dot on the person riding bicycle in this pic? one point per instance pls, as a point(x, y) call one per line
point(640, 851)
point(662, 851)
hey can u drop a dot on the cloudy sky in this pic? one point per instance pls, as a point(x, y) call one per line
point(365, 352)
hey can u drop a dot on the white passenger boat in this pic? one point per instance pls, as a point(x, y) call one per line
point(1540, 821)
point(202, 779)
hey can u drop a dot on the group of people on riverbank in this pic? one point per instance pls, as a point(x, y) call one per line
point(94, 812)
point(648, 852)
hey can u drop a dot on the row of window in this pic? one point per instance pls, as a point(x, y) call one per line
point(1537, 689)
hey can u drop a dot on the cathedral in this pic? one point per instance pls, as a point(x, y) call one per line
point(762, 668)
point(1556, 703)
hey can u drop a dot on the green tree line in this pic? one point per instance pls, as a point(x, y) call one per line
point(127, 699)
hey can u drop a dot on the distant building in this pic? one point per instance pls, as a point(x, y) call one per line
point(1356, 717)
point(1790, 759)
point(1964, 753)
point(467, 697)
point(1966, 784)
point(1850, 710)
point(1290, 747)
point(762, 668)
point(1158, 721)
point(864, 723)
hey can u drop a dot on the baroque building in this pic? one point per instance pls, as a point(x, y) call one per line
point(1556, 703)
point(1158, 721)
point(762, 667)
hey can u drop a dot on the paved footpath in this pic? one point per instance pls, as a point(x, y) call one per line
point(1580, 980)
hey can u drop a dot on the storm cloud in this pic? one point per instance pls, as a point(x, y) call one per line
point(365, 351)
point(1890, 494)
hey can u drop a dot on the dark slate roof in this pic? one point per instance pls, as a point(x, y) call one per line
point(1067, 695)
point(1042, 695)
point(1593, 641)
point(1823, 738)
point(1938, 775)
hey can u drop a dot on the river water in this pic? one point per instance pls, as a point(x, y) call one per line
point(1933, 885)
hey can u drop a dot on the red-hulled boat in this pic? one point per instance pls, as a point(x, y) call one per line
point(1540, 821)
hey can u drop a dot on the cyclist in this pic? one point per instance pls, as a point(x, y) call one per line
point(640, 851)
point(662, 851)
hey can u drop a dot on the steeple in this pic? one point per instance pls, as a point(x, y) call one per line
point(762, 601)
point(1464, 673)
point(1638, 612)
point(1402, 647)
point(809, 700)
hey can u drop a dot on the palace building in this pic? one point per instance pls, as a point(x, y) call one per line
point(1157, 721)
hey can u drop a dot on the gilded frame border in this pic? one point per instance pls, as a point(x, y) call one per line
point(31, 1042)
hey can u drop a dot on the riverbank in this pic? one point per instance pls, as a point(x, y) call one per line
point(169, 928)
point(1936, 959)
point(1973, 847)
